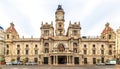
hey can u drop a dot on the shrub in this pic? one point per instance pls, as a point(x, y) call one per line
point(12, 60)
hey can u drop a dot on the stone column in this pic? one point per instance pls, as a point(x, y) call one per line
point(70, 59)
point(54, 59)
point(67, 59)
point(73, 60)
point(79, 61)
point(49, 61)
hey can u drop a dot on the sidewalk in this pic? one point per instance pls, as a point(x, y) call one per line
point(117, 66)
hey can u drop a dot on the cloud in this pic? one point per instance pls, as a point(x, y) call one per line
point(28, 14)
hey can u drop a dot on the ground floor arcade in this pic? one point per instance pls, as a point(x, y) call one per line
point(58, 59)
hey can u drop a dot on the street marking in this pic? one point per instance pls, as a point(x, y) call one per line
point(25, 68)
point(15, 68)
point(109, 68)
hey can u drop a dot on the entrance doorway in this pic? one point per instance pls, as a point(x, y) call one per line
point(62, 59)
point(76, 60)
point(94, 60)
point(36, 60)
point(45, 60)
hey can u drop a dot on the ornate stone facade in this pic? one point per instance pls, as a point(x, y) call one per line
point(60, 48)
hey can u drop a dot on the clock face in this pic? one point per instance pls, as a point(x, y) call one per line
point(59, 17)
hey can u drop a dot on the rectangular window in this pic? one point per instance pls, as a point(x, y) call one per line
point(18, 46)
point(109, 36)
point(110, 46)
point(7, 52)
point(85, 60)
point(85, 51)
point(75, 50)
point(7, 36)
point(36, 45)
point(26, 52)
point(60, 33)
point(85, 46)
point(36, 51)
point(18, 51)
point(46, 50)
point(7, 46)
point(46, 32)
point(110, 52)
point(94, 60)
point(74, 32)
point(93, 51)
point(102, 59)
point(93, 45)
point(102, 51)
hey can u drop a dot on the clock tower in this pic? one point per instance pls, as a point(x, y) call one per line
point(59, 18)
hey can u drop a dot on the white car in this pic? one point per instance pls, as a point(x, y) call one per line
point(8, 63)
point(31, 63)
point(100, 64)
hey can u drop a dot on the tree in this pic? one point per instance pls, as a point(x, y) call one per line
point(12, 60)
point(107, 60)
point(98, 60)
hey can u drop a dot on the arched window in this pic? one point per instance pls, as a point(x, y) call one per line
point(102, 46)
point(74, 44)
point(46, 44)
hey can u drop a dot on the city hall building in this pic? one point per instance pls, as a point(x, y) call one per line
point(55, 47)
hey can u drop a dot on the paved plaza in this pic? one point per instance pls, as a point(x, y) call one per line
point(60, 67)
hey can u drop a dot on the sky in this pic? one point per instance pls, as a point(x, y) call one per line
point(27, 15)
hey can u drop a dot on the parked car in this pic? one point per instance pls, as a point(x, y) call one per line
point(8, 63)
point(100, 64)
point(31, 63)
point(111, 62)
point(34, 63)
point(17, 63)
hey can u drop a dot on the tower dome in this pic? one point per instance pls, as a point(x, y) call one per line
point(1, 28)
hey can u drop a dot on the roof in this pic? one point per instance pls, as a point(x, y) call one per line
point(59, 7)
point(1, 28)
point(11, 28)
point(107, 29)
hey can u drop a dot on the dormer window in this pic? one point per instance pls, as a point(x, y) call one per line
point(109, 36)
point(46, 44)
